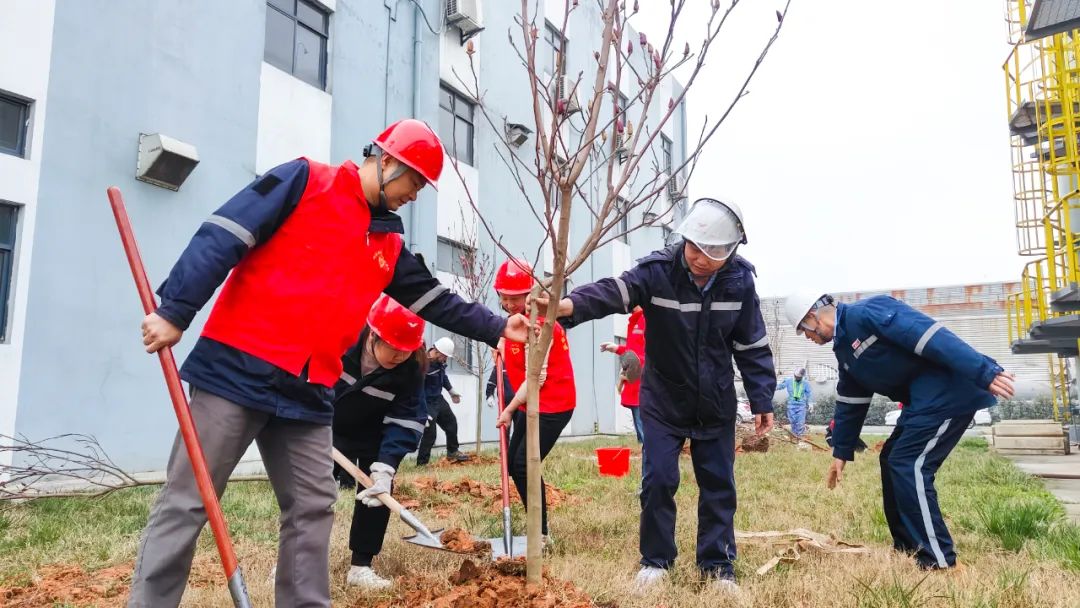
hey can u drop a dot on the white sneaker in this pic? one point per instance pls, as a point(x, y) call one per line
point(647, 578)
point(365, 578)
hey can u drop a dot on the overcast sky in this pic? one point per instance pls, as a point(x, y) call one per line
point(872, 151)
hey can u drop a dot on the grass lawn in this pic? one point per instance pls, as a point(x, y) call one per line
point(1008, 529)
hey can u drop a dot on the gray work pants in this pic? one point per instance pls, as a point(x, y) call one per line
point(297, 459)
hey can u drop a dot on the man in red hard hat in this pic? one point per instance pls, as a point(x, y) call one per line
point(310, 247)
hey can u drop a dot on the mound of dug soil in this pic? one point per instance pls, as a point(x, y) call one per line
point(488, 586)
point(460, 541)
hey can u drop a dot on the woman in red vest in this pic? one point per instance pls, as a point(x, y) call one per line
point(635, 344)
point(557, 393)
point(379, 417)
point(307, 248)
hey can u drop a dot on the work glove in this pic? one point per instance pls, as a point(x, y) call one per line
point(491, 401)
point(382, 475)
point(455, 397)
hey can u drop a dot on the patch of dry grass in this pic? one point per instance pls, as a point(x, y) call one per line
point(595, 539)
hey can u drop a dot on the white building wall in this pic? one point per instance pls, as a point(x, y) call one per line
point(26, 32)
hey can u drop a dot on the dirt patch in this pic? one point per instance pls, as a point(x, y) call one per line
point(755, 443)
point(474, 460)
point(70, 584)
point(487, 586)
point(471, 488)
point(460, 541)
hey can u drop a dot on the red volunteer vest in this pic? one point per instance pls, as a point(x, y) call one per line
point(635, 343)
point(558, 393)
point(302, 297)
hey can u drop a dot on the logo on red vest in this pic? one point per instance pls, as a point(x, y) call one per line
point(380, 260)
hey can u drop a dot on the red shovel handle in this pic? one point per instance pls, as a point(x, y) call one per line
point(503, 456)
point(180, 404)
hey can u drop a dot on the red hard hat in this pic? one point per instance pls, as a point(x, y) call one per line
point(514, 278)
point(412, 142)
point(396, 325)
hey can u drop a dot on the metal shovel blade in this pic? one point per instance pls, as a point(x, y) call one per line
point(498, 546)
point(423, 540)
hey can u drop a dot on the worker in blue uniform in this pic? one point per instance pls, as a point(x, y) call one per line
point(701, 311)
point(884, 346)
point(799, 395)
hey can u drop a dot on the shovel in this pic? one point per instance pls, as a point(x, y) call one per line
point(233, 574)
point(509, 545)
point(423, 536)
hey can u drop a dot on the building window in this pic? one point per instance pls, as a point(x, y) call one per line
point(8, 216)
point(14, 121)
point(620, 341)
point(456, 124)
point(453, 257)
point(668, 234)
point(554, 48)
point(297, 32)
point(624, 103)
point(624, 220)
point(665, 151)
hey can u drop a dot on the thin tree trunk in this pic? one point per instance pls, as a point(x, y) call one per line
point(534, 362)
point(479, 395)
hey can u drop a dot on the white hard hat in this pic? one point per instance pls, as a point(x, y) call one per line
point(797, 305)
point(715, 227)
point(445, 346)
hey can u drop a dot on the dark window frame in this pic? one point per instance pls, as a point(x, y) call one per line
point(624, 219)
point(7, 264)
point(666, 153)
point(322, 30)
point(555, 43)
point(460, 109)
point(24, 105)
point(455, 263)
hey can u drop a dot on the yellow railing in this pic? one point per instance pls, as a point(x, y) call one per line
point(1042, 82)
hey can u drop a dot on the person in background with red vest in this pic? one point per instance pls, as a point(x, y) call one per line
point(635, 344)
point(309, 247)
point(379, 415)
point(558, 395)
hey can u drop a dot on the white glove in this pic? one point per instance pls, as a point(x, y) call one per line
point(382, 475)
point(455, 397)
point(491, 401)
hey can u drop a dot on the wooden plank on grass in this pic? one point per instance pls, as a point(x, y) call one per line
point(1028, 429)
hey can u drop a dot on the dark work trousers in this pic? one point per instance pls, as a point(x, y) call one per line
point(551, 426)
point(368, 523)
point(910, 459)
point(439, 412)
point(714, 468)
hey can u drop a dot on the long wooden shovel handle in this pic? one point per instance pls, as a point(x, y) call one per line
point(362, 479)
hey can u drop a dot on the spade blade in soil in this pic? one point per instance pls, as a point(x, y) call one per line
point(517, 546)
point(431, 542)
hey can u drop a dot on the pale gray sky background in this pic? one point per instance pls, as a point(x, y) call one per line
point(872, 151)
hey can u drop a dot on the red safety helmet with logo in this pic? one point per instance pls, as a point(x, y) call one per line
point(396, 325)
point(514, 278)
point(413, 143)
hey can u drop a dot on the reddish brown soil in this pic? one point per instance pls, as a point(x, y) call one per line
point(487, 586)
point(69, 584)
point(460, 541)
point(466, 488)
point(482, 459)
